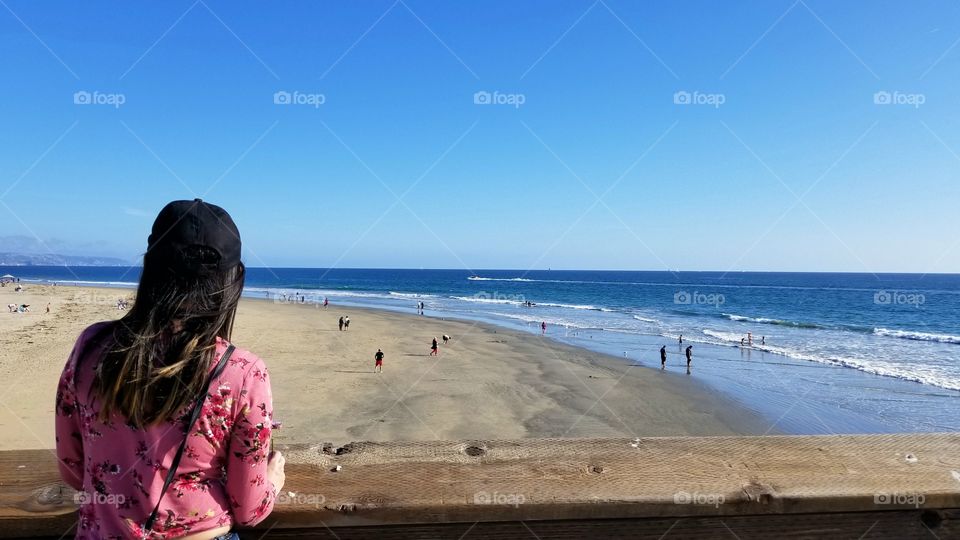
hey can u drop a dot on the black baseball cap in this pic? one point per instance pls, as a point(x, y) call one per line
point(194, 237)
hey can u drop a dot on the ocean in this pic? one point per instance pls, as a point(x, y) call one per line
point(840, 352)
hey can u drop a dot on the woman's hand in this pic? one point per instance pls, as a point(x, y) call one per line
point(275, 470)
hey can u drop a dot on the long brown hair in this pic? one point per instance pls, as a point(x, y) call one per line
point(163, 347)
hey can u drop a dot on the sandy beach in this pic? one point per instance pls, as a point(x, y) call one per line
point(488, 383)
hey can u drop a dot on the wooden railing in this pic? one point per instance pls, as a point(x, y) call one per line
point(877, 486)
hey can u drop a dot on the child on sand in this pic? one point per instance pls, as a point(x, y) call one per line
point(434, 348)
point(378, 362)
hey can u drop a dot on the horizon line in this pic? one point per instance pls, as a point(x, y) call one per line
point(522, 271)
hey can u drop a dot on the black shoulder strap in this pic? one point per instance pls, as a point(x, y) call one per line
point(194, 415)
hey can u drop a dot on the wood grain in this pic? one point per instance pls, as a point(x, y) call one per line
point(822, 486)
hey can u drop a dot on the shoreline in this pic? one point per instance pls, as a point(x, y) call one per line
point(489, 383)
point(796, 395)
point(675, 382)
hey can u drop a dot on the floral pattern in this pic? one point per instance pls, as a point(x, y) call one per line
point(118, 470)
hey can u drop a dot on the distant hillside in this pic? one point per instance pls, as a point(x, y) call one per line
point(35, 259)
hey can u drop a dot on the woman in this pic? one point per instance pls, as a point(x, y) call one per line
point(131, 389)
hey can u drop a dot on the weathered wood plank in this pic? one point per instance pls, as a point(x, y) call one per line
point(621, 486)
point(899, 525)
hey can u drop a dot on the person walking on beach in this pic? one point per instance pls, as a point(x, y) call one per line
point(663, 357)
point(346, 322)
point(543, 328)
point(341, 323)
point(689, 356)
point(325, 302)
point(681, 339)
point(434, 348)
point(159, 410)
point(378, 361)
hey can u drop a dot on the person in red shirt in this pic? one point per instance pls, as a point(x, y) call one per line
point(162, 425)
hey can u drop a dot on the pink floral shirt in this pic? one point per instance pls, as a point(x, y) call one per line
point(119, 470)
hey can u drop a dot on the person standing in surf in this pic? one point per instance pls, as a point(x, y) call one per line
point(663, 357)
point(689, 356)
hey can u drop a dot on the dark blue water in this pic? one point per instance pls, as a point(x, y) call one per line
point(868, 352)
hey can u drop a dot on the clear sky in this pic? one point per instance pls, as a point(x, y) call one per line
point(786, 159)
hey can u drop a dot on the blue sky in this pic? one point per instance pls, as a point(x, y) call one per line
point(797, 169)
